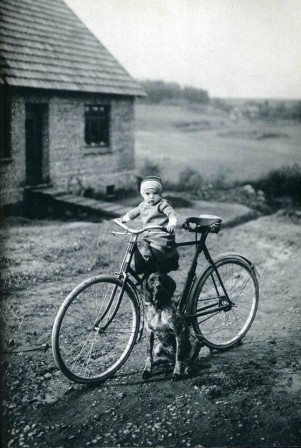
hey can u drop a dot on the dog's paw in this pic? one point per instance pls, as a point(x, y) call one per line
point(176, 376)
point(146, 374)
point(188, 371)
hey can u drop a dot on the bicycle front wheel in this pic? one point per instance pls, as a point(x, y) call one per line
point(220, 324)
point(95, 330)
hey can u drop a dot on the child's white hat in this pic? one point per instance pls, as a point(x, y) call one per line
point(151, 182)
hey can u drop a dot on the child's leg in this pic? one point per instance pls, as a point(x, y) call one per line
point(166, 261)
point(144, 262)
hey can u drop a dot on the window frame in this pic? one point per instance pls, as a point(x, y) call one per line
point(97, 127)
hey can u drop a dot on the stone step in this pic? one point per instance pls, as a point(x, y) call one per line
point(109, 209)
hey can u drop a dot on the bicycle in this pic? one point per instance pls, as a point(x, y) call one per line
point(101, 320)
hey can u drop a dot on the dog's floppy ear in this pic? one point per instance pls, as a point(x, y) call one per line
point(169, 284)
point(146, 291)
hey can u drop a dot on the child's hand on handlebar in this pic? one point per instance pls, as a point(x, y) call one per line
point(124, 219)
point(170, 228)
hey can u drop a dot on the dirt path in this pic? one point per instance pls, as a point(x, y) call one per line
point(248, 396)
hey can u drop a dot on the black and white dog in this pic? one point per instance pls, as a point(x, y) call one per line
point(177, 342)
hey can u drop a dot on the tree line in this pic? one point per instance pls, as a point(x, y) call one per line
point(158, 91)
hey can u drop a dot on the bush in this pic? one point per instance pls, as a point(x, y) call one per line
point(191, 180)
point(150, 168)
point(283, 182)
point(220, 180)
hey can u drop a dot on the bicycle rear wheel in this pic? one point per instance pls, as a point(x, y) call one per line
point(226, 326)
point(94, 331)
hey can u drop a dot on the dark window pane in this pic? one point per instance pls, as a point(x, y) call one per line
point(97, 125)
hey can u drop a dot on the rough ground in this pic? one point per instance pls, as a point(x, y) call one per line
point(248, 396)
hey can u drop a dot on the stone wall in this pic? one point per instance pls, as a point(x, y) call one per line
point(12, 170)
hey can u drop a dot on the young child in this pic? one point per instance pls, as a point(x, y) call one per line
point(156, 210)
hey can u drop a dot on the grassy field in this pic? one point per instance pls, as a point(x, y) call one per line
point(212, 143)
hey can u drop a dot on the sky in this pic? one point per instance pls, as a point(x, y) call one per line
point(231, 48)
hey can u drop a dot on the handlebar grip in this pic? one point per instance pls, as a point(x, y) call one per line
point(119, 223)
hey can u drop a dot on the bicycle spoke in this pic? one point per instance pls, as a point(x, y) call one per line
point(86, 358)
point(86, 352)
point(225, 327)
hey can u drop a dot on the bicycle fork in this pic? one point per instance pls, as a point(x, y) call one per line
point(121, 275)
point(108, 308)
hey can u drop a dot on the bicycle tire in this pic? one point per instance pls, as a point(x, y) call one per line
point(84, 353)
point(225, 328)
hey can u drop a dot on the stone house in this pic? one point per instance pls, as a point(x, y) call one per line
point(67, 106)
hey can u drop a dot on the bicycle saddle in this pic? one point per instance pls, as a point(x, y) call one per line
point(202, 223)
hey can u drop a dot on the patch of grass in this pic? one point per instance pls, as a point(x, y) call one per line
point(63, 251)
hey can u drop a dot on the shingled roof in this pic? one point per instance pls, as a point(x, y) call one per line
point(43, 44)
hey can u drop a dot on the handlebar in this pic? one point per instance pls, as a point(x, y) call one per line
point(138, 231)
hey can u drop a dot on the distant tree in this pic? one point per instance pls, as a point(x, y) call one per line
point(158, 91)
point(285, 110)
point(195, 95)
point(220, 104)
point(294, 112)
point(264, 109)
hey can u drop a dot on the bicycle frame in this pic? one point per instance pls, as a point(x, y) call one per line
point(126, 271)
point(191, 276)
point(130, 279)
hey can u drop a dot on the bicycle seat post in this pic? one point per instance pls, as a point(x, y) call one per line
point(200, 246)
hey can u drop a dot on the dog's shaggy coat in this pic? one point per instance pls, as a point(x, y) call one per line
point(176, 341)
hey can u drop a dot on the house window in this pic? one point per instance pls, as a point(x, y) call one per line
point(97, 125)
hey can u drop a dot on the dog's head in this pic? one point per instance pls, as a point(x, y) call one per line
point(159, 288)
